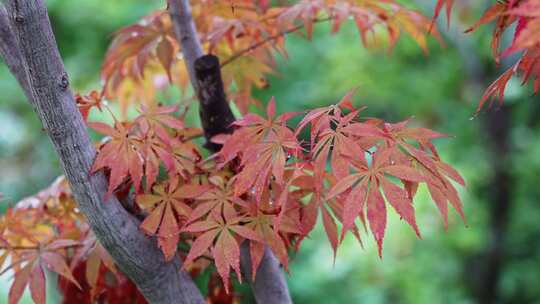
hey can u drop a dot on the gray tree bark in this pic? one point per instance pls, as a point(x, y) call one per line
point(9, 49)
point(28, 46)
point(270, 285)
point(186, 34)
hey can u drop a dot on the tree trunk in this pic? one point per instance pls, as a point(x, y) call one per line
point(499, 192)
point(35, 61)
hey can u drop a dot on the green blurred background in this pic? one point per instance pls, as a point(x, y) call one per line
point(494, 259)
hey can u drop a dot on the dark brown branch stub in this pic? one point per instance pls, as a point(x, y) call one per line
point(216, 115)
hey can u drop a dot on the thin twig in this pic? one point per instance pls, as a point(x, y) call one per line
point(268, 39)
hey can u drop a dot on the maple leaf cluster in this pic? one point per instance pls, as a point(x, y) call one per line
point(524, 15)
point(349, 169)
point(136, 149)
point(246, 35)
point(266, 186)
point(47, 232)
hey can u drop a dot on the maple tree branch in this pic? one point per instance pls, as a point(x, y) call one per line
point(270, 286)
point(216, 117)
point(267, 40)
point(186, 33)
point(48, 89)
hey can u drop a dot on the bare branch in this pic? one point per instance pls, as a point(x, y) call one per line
point(48, 88)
